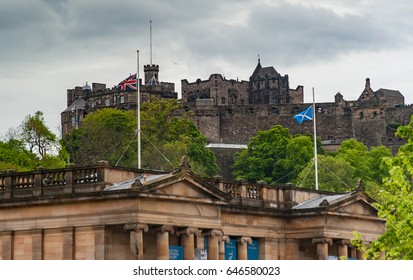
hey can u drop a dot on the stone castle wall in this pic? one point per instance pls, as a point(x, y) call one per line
point(335, 122)
point(222, 91)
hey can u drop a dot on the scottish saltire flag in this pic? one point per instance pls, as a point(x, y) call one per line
point(306, 115)
point(128, 84)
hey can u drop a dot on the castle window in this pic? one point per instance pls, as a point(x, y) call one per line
point(73, 121)
point(223, 100)
point(122, 99)
point(361, 115)
point(107, 102)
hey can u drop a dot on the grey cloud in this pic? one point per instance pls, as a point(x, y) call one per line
point(292, 33)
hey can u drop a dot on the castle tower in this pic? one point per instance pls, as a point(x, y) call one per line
point(151, 71)
point(267, 86)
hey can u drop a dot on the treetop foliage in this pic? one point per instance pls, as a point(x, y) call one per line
point(273, 155)
point(396, 204)
point(31, 145)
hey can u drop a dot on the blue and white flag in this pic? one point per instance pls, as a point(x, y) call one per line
point(306, 115)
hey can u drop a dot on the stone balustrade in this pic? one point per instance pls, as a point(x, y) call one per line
point(262, 194)
point(72, 179)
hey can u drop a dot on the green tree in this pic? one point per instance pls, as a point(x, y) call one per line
point(396, 203)
point(367, 163)
point(355, 153)
point(36, 135)
point(273, 155)
point(107, 134)
point(334, 174)
point(161, 129)
point(110, 134)
point(14, 155)
point(31, 145)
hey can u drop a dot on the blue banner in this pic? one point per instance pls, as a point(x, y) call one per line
point(176, 253)
point(231, 250)
point(253, 250)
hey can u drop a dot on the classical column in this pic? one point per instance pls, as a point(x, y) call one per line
point(68, 244)
point(222, 240)
point(162, 241)
point(322, 247)
point(188, 241)
point(136, 240)
point(37, 244)
point(99, 242)
point(342, 248)
point(268, 248)
point(7, 245)
point(213, 246)
point(242, 247)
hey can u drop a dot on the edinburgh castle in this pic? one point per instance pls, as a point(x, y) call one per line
point(230, 112)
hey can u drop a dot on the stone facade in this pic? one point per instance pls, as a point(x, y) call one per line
point(102, 212)
point(82, 100)
point(265, 86)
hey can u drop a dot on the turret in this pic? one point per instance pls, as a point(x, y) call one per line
point(151, 70)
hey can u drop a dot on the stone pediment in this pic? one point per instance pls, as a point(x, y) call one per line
point(184, 186)
point(358, 204)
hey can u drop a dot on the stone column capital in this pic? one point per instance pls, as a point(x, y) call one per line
point(188, 231)
point(224, 238)
point(214, 233)
point(342, 242)
point(244, 240)
point(136, 227)
point(322, 240)
point(164, 229)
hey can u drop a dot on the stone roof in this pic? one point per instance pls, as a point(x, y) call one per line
point(267, 71)
point(389, 92)
point(142, 179)
point(322, 200)
point(264, 71)
point(78, 104)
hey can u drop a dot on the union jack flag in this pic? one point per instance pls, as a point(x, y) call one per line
point(128, 84)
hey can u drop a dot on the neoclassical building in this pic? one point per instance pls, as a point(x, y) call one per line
point(103, 212)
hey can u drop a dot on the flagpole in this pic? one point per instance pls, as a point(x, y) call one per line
point(315, 144)
point(138, 110)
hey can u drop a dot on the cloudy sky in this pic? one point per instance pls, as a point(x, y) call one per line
point(49, 46)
